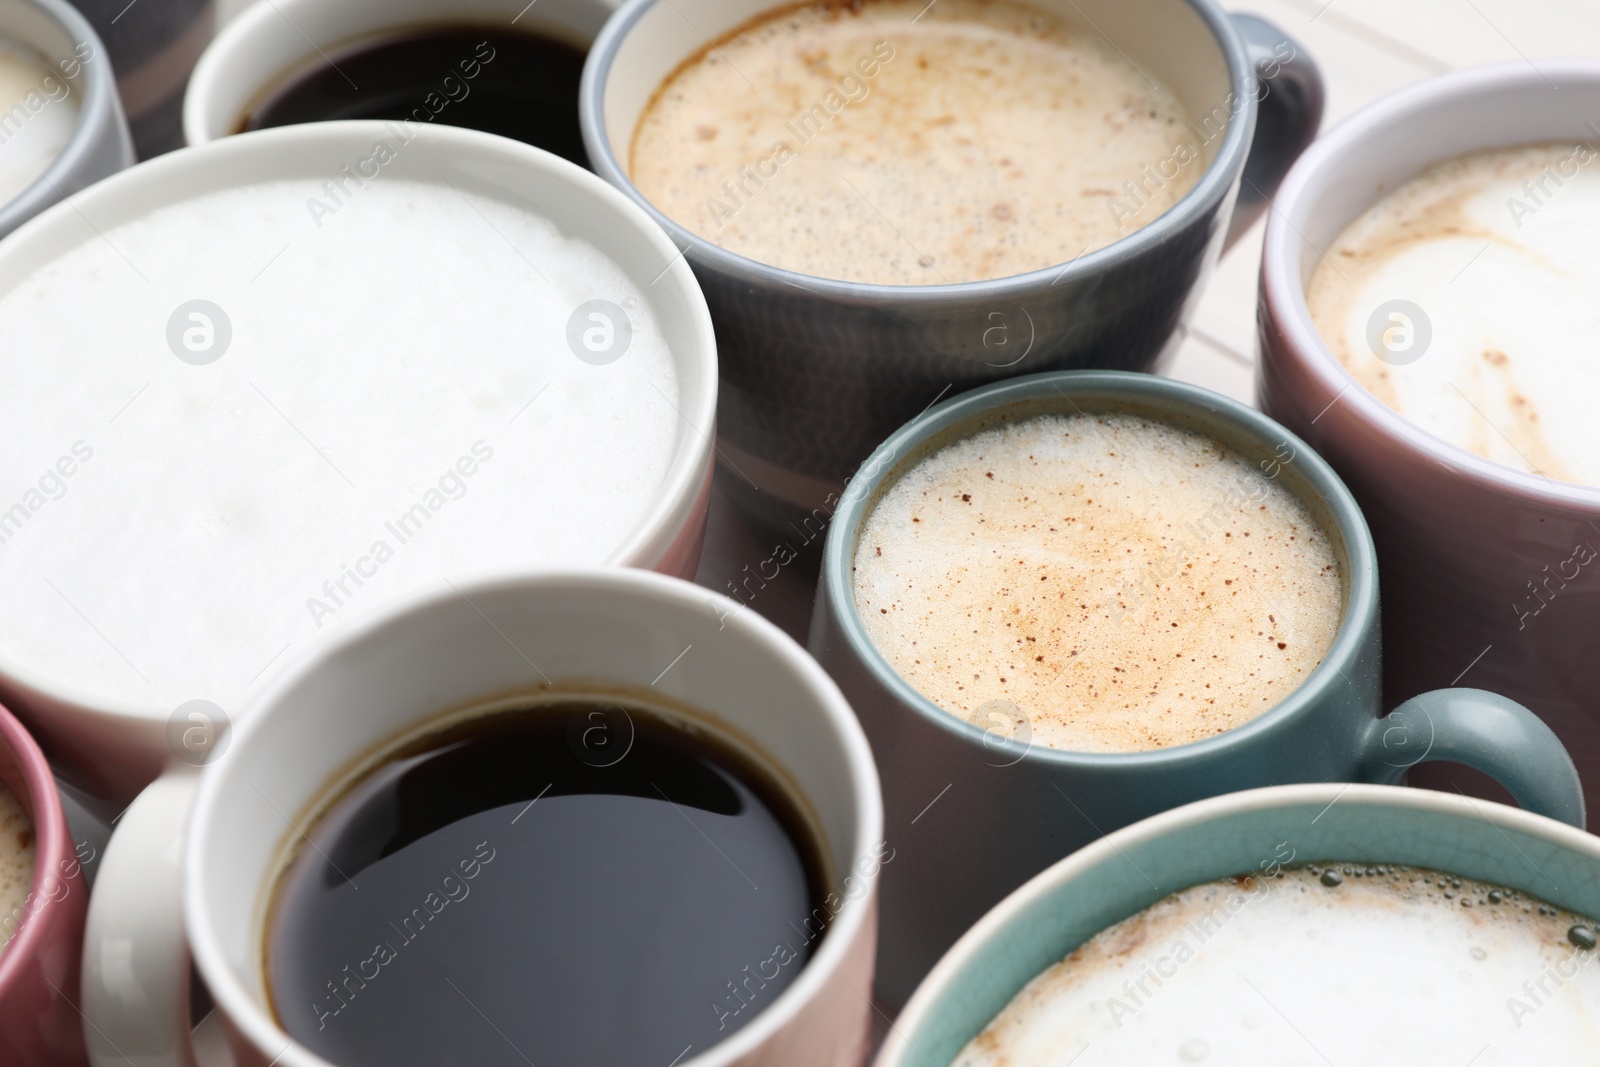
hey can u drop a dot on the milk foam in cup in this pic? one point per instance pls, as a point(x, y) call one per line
point(901, 144)
point(1101, 583)
point(242, 421)
point(38, 112)
point(1464, 300)
point(1330, 963)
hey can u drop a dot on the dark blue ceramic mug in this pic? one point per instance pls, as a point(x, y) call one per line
point(816, 372)
point(973, 813)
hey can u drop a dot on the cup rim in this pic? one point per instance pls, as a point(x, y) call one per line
point(255, 1022)
point(51, 846)
point(1213, 188)
point(99, 112)
point(1282, 291)
point(1360, 608)
point(245, 153)
point(1173, 822)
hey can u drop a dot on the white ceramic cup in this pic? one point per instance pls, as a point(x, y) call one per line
point(111, 750)
point(273, 37)
point(100, 144)
point(436, 655)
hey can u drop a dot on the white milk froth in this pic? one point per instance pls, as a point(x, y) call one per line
point(1097, 583)
point(38, 112)
point(1498, 250)
point(398, 406)
point(1400, 967)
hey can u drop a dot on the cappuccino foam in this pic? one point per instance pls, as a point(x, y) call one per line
point(38, 112)
point(17, 847)
point(904, 143)
point(1101, 583)
point(398, 409)
point(1391, 966)
point(1497, 249)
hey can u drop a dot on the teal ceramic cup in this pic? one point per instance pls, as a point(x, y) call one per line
point(972, 814)
point(1127, 871)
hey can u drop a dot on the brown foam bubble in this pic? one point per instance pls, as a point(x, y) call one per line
point(16, 863)
point(908, 144)
point(1114, 583)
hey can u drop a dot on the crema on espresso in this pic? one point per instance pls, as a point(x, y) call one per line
point(904, 143)
point(1097, 582)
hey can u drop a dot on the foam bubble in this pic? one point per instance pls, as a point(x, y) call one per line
point(1126, 585)
point(1498, 251)
point(907, 144)
point(1394, 966)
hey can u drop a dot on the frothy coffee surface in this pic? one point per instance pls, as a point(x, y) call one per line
point(1389, 967)
point(397, 407)
point(1100, 583)
point(903, 144)
point(38, 111)
point(1497, 250)
point(17, 847)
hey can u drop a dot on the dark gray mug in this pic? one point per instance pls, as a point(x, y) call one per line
point(972, 814)
point(816, 372)
point(78, 67)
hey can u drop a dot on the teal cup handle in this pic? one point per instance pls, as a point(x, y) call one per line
point(1484, 731)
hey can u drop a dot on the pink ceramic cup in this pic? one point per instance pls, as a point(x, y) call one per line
point(39, 1021)
point(1480, 580)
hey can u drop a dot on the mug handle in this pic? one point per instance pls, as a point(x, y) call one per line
point(135, 951)
point(1290, 97)
point(1484, 731)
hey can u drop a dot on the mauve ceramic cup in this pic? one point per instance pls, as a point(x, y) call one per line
point(582, 631)
point(816, 372)
point(1480, 580)
point(1125, 872)
point(1014, 807)
point(39, 1022)
point(100, 145)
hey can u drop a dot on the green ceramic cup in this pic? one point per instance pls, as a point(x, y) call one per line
point(973, 814)
point(1127, 871)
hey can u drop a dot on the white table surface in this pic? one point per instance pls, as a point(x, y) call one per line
point(1365, 48)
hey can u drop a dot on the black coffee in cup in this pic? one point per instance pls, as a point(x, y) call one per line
point(578, 881)
point(503, 81)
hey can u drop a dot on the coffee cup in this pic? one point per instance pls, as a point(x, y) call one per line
point(78, 70)
point(1247, 834)
point(271, 42)
point(596, 631)
point(216, 342)
point(816, 371)
point(39, 1021)
point(985, 807)
point(1482, 562)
